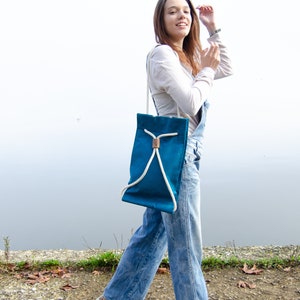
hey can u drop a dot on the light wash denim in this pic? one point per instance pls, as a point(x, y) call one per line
point(178, 233)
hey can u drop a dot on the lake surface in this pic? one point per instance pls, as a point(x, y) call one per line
point(57, 204)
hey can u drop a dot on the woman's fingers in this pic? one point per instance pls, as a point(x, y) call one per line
point(211, 56)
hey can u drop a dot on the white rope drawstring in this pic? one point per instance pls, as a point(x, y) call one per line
point(155, 146)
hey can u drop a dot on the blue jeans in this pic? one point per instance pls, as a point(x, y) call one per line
point(179, 233)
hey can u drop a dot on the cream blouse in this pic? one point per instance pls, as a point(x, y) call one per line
point(172, 84)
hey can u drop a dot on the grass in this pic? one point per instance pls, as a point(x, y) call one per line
point(233, 262)
point(110, 260)
point(104, 260)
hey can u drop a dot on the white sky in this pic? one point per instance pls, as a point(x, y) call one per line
point(62, 61)
point(72, 78)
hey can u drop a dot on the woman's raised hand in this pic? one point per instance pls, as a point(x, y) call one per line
point(206, 16)
point(210, 57)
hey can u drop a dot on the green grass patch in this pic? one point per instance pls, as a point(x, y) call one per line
point(104, 260)
point(110, 260)
point(265, 263)
point(52, 263)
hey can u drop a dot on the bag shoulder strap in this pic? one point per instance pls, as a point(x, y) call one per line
point(148, 84)
point(148, 80)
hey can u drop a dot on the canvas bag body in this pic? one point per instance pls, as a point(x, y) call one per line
point(152, 191)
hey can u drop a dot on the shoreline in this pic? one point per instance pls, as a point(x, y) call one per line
point(222, 283)
point(222, 252)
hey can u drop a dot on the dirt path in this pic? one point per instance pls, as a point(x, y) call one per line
point(222, 285)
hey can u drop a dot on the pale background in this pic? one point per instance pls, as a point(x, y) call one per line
point(72, 78)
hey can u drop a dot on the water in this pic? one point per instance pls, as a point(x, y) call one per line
point(57, 203)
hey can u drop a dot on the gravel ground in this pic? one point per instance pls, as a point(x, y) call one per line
point(223, 284)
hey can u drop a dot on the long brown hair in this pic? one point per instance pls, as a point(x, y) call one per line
point(190, 55)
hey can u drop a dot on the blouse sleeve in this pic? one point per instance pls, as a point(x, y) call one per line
point(169, 76)
point(225, 68)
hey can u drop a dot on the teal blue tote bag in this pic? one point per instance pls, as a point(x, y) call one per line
point(156, 162)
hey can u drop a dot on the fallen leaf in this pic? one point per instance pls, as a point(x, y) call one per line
point(34, 279)
point(44, 279)
point(241, 284)
point(244, 284)
point(96, 273)
point(252, 271)
point(251, 285)
point(44, 276)
point(67, 275)
point(11, 267)
point(30, 281)
point(162, 270)
point(58, 272)
point(69, 287)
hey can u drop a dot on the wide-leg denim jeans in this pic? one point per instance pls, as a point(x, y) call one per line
point(178, 233)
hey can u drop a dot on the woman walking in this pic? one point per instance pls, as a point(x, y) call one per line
point(181, 76)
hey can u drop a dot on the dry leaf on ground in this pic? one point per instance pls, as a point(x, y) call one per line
point(68, 287)
point(252, 271)
point(244, 284)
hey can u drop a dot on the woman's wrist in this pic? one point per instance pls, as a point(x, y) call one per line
point(213, 32)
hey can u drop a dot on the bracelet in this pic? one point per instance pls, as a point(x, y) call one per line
point(214, 32)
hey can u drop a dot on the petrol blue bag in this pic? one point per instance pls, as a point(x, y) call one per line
point(156, 162)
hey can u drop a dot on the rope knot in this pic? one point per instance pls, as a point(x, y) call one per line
point(156, 143)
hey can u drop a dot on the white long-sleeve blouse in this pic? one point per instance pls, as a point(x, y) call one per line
point(172, 85)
